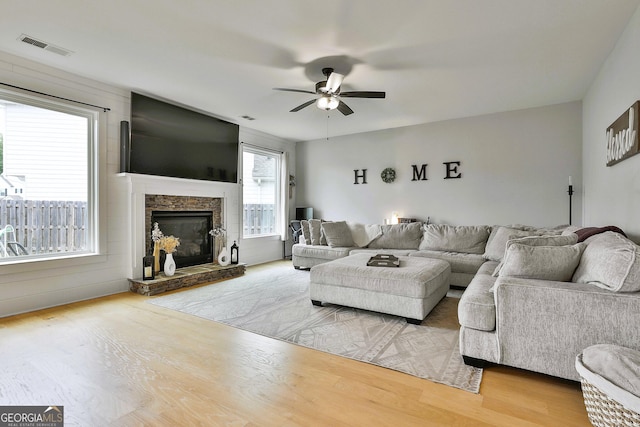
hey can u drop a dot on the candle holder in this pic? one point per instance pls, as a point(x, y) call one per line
point(148, 269)
point(570, 193)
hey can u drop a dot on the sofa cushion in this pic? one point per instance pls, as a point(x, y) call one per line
point(549, 240)
point(487, 268)
point(470, 239)
point(320, 252)
point(372, 252)
point(337, 234)
point(399, 236)
point(612, 262)
point(460, 263)
point(477, 309)
point(304, 224)
point(497, 242)
point(315, 229)
point(556, 263)
point(363, 234)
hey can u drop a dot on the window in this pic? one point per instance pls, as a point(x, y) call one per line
point(47, 205)
point(261, 192)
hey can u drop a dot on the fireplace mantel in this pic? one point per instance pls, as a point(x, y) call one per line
point(141, 185)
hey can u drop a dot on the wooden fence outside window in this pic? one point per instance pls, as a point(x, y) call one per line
point(259, 219)
point(46, 226)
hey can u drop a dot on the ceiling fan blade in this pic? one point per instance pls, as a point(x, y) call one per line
point(284, 89)
point(344, 109)
point(301, 106)
point(333, 82)
point(363, 94)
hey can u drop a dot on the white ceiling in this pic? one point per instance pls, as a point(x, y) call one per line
point(436, 59)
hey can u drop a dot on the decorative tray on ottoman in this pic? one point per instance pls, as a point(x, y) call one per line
point(383, 260)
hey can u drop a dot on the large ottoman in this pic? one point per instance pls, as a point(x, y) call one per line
point(410, 290)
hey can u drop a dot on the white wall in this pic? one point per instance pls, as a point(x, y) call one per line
point(612, 194)
point(515, 168)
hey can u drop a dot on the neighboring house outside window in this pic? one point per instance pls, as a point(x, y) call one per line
point(47, 197)
point(261, 192)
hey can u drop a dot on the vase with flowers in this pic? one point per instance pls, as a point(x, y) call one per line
point(169, 245)
point(219, 241)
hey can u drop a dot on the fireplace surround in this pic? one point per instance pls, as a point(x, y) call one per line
point(147, 193)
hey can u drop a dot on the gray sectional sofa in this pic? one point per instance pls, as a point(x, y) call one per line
point(462, 247)
point(534, 298)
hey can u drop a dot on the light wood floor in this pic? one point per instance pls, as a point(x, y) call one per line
point(120, 361)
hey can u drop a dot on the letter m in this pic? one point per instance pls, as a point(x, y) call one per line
point(419, 175)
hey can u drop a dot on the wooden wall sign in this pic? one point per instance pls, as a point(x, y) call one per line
point(622, 136)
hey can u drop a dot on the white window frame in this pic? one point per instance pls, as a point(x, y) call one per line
point(277, 187)
point(93, 225)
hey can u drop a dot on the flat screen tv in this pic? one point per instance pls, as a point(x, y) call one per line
point(169, 140)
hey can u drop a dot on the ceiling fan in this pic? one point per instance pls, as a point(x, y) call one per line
point(329, 91)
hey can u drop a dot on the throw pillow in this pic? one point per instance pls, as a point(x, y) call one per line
point(399, 236)
point(470, 239)
point(612, 262)
point(542, 262)
point(363, 234)
point(338, 234)
point(304, 224)
point(315, 229)
point(554, 240)
point(498, 239)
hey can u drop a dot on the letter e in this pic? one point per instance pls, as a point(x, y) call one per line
point(451, 170)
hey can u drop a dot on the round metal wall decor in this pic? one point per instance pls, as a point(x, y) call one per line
point(388, 175)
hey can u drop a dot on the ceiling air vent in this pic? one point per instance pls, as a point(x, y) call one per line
point(43, 45)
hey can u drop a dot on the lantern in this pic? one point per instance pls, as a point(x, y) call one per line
point(148, 270)
point(234, 253)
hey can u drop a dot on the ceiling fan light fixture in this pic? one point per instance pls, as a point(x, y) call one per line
point(327, 103)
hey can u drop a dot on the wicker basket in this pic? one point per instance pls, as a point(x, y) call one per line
point(604, 411)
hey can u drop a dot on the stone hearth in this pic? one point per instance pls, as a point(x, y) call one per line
point(185, 277)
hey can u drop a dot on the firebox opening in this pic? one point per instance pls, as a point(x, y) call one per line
point(192, 228)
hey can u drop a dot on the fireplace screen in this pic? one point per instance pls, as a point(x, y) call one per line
point(192, 228)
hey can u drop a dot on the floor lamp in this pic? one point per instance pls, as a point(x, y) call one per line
point(570, 193)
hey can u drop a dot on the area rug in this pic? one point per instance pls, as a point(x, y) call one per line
point(274, 302)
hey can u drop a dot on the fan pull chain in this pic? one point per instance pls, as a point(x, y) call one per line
point(327, 126)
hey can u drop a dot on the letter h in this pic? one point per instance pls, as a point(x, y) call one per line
point(363, 175)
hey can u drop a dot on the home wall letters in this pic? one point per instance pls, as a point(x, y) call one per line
point(362, 175)
point(451, 171)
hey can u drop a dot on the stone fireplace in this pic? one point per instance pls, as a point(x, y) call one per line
point(189, 219)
